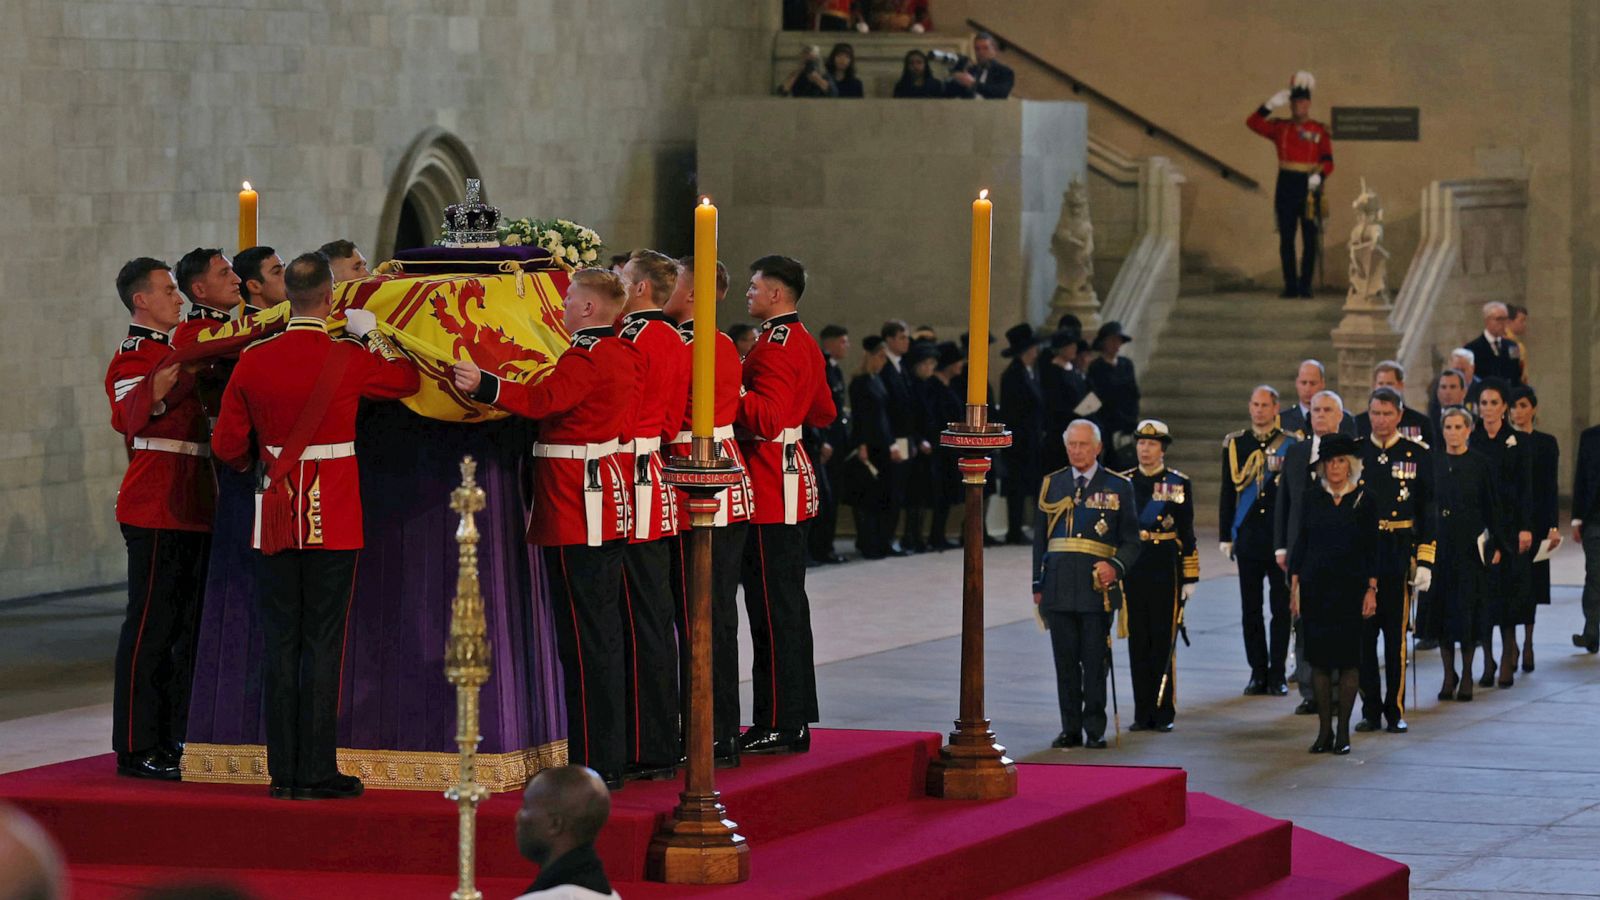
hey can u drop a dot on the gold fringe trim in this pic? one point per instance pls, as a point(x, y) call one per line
point(406, 770)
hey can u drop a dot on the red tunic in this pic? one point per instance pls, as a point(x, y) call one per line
point(1302, 147)
point(664, 363)
point(580, 494)
point(169, 483)
point(269, 388)
point(214, 373)
point(737, 501)
point(784, 389)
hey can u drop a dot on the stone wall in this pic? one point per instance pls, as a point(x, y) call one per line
point(131, 124)
point(875, 196)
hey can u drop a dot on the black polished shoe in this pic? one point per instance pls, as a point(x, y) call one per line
point(1341, 744)
point(941, 545)
point(1066, 741)
point(151, 764)
point(339, 787)
point(1464, 691)
point(1306, 708)
point(899, 551)
point(1256, 688)
point(725, 754)
point(1487, 680)
point(1164, 728)
point(1366, 725)
point(1398, 726)
point(1140, 726)
point(281, 791)
point(1584, 643)
point(1280, 687)
point(1427, 644)
point(1527, 658)
point(172, 750)
point(650, 771)
point(1098, 743)
point(775, 740)
point(1323, 743)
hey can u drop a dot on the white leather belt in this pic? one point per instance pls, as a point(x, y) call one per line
point(640, 446)
point(315, 452)
point(576, 451)
point(168, 445)
point(720, 433)
point(594, 490)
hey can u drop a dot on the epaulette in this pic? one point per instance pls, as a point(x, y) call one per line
point(1128, 474)
point(1172, 471)
point(1119, 475)
point(1232, 436)
point(780, 335)
point(585, 341)
point(1050, 475)
point(1420, 443)
point(630, 332)
point(258, 342)
point(130, 344)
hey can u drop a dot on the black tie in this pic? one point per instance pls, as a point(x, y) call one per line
point(1082, 483)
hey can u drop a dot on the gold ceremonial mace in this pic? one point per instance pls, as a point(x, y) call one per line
point(466, 665)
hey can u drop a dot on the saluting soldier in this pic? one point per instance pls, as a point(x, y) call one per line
point(1085, 536)
point(1252, 460)
point(650, 649)
point(164, 509)
point(1399, 476)
point(1161, 579)
point(583, 507)
point(784, 390)
point(1305, 159)
point(727, 538)
point(291, 403)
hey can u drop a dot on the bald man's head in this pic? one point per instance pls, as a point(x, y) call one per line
point(562, 808)
point(30, 867)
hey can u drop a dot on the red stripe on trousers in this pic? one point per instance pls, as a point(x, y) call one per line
point(772, 635)
point(633, 664)
point(577, 641)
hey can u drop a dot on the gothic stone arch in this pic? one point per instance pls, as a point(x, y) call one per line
point(431, 175)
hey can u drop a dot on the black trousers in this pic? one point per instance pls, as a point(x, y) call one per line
point(585, 585)
point(1290, 205)
point(1388, 697)
point(650, 654)
point(1152, 599)
point(1265, 662)
point(156, 647)
point(305, 604)
point(1078, 641)
point(783, 674)
point(727, 562)
point(897, 478)
point(1020, 504)
point(825, 527)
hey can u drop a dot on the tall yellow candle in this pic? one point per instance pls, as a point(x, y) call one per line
point(978, 316)
point(703, 400)
point(248, 201)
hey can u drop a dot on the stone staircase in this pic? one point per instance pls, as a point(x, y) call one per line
point(1214, 349)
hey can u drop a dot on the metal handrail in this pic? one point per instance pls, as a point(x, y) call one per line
point(1151, 129)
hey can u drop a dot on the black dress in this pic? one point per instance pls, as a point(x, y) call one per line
point(1466, 503)
point(931, 88)
point(864, 485)
point(1510, 467)
point(1336, 556)
point(1545, 456)
point(1118, 389)
point(945, 407)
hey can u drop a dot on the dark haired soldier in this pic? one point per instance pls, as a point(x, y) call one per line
point(164, 508)
point(1399, 475)
point(208, 279)
point(292, 403)
point(346, 260)
point(785, 390)
point(260, 271)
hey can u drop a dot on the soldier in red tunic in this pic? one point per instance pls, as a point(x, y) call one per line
point(648, 646)
point(581, 507)
point(206, 277)
point(164, 508)
point(732, 526)
point(1305, 159)
point(291, 403)
point(784, 390)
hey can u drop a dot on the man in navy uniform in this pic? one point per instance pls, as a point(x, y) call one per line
point(1085, 536)
point(1161, 579)
point(1252, 459)
point(1399, 475)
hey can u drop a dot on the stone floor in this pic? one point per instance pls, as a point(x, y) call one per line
point(1500, 797)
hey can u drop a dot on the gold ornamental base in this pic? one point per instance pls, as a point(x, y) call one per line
point(404, 770)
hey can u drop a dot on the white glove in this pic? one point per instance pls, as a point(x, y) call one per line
point(1315, 180)
point(359, 321)
point(862, 27)
point(1424, 579)
point(1227, 549)
point(1278, 99)
point(1186, 592)
point(916, 28)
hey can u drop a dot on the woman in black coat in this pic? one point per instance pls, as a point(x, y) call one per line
point(1466, 506)
point(1334, 570)
point(1511, 603)
point(946, 406)
point(861, 480)
point(1544, 460)
point(917, 80)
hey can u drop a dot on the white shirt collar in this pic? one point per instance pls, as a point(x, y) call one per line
point(893, 356)
point(1086, 474)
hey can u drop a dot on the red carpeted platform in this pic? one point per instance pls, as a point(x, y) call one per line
point(847, 819)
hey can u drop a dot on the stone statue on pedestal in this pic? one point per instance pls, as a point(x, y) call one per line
point(1073, 247)
point(1369, 261)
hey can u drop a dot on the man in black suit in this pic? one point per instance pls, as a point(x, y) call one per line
point(1414, 426)
point(1586, 508)
point(1495, 353)
point(984, 77)
point(1022, 409)
point(1327, 412)
point(828, 444)
point(902, 424)
point(1295, 420)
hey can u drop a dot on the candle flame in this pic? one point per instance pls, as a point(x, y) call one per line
point(983, 194)
point(247, 185)
point(704, 200)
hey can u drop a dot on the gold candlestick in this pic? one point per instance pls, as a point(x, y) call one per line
point(466, 665)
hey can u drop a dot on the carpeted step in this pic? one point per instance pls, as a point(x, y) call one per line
point(105, 820)
point(1222, 850)
point(1324, 869)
